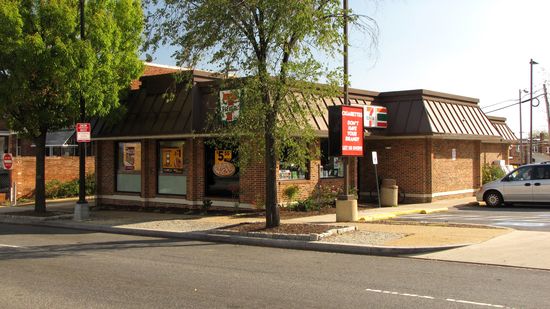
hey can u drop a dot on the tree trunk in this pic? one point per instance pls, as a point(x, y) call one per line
point(272, 218)
point(40, 183)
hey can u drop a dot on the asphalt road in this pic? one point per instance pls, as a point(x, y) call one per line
point(520, 217)
point(61, 268)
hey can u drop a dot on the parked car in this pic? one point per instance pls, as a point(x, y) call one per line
point(526, 184)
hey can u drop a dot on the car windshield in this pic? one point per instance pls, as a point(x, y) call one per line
point(522, 173)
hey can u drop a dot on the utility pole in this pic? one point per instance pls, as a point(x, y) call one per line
point(81, 211)
point(520, 134)
point(547, 112)
point(346, 160)
point(531, 115)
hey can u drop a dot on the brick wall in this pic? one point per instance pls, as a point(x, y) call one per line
point(407, 161)
point(459, 174)
point(60, 168)
point(492, 152)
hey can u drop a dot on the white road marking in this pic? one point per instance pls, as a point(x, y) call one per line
point(433, 298)
point(473, 303)
point(9, 246)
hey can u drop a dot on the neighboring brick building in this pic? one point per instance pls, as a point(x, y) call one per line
point(158, 154)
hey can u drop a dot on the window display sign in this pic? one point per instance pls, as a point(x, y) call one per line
point(229, 106)
point(129, 158)
point(376, 116)
point(222, 163)
point(346, 131)
point(172, 159)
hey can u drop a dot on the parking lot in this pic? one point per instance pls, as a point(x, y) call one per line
point(520, 217)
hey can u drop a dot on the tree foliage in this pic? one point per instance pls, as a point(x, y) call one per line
point(283, 48)
point(45, 66)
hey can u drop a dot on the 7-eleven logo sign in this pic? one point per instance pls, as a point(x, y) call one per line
point(375, 117)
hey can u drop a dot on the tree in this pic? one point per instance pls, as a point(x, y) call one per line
point(279, 46)
point(45, 66)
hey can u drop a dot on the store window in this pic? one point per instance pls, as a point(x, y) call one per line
point(172, 174)
point(291, 171)
point(128, 176)
point(222, 171)
point(331, 167)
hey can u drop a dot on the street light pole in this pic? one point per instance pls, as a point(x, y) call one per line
point(531, 115)
point(81, 211)
point(346, 160)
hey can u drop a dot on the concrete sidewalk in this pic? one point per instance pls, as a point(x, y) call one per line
point(475, 244)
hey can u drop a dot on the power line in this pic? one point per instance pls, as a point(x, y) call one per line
point(540, 95)
point(509, 100)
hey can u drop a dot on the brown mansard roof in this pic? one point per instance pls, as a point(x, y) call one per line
point(410, 113)
point(428, 113)
point(505, 132)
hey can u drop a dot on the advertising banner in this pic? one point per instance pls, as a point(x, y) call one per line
point(172, 160)
point(229, 106)
point(346, 131)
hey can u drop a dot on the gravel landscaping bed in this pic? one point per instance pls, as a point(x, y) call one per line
point(284, 231)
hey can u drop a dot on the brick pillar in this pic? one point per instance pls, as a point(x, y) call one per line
point(428, 168)
point(148, 168)
point(478, 165)
point(195, 174)
point(105, 167)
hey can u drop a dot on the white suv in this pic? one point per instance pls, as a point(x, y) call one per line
point(526, 184)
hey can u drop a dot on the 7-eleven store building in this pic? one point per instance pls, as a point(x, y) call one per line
point(434, 146)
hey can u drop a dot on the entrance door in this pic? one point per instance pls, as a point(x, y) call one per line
point(222, 173)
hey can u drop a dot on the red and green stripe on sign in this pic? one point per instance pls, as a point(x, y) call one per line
point(376, 117)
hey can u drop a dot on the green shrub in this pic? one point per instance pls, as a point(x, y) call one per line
point(206, 204)
point(491, 173)
point(58, 189)
point(305, 205)
point(291, 192)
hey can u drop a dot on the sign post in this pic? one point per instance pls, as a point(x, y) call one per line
point(375, 163)
point(83, 135)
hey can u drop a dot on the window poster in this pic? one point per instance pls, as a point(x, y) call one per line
point(222, 163)
point(172, 159)
point(129, 157)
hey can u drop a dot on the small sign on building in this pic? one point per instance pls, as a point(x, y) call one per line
point(346, 131)
point(229, 105)
point(376, 116)
point(83, 132)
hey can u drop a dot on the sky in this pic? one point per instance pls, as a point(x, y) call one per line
point(473, 48)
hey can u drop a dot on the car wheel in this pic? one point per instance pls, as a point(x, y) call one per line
point(493, 199)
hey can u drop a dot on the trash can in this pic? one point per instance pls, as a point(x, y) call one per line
point(388, 193)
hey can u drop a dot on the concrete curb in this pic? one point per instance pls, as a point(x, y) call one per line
point(393, 214)
point(242, 240)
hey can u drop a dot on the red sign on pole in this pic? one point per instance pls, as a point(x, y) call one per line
point(83, 132)
point(346, 131)
point(7, 161)
point(352, 131)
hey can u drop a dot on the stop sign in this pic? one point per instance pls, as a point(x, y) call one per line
point(7, 161)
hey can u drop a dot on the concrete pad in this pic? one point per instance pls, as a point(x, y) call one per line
point(518, 248)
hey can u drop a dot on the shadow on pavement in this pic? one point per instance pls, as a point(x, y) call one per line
point(53, 251)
